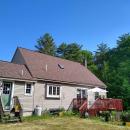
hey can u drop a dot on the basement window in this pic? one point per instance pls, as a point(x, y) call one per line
point(53, 91)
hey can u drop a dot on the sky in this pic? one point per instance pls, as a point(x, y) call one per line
point(86, 22)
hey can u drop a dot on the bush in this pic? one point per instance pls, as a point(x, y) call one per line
point(68, 113)
point(105, 115)
point(125, 117)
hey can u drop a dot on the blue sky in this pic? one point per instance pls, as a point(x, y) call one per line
point(87, 22)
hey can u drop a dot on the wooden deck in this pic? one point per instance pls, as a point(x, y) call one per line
point(107, 104)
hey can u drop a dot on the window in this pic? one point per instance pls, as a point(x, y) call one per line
point(81, 93)
point(58, 90)
point(96, 95)
point(78, 93)
point(53, 91)
point(7, 88)
point(50, 90)
point(28, 89)
point(84, 94)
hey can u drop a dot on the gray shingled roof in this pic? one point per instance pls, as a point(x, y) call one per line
point(48, 67)
point(14, 71)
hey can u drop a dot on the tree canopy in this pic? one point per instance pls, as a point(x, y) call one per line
point(69, 51)
point(114, 68)
point(46, 45)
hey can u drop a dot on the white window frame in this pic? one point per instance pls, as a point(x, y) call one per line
point(28, 94)
point(52, 95)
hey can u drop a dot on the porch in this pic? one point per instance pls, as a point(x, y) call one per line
point(10, 107)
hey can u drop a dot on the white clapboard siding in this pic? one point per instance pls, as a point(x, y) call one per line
point(26, 101)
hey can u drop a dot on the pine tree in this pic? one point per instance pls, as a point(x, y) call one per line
point(46, 45)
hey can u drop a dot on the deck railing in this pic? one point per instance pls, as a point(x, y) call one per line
point(81, 105)
point(105, 105)
point(78, 102)
point(83, 108)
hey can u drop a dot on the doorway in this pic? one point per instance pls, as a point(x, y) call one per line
point(6, 95)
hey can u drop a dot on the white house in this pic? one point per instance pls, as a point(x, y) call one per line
point(47, 81)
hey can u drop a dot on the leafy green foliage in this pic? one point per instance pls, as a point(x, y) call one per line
point(114, 68)
point(86, 55)
point(101, 57)
point(61, 50)
point(125, 117)
point(69, 51)
point(74, 52)
point(68, 114)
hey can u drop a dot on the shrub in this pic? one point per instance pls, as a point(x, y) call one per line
point(105, 115)
point(125, 117)
point(68, 113)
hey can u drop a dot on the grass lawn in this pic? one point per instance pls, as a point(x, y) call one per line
point(62, 123)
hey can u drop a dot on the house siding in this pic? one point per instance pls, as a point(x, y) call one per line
point(25, 101)
point(38, 97)
point(18, 58)
point(67, 95)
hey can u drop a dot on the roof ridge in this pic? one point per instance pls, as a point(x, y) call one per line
point(48, 55)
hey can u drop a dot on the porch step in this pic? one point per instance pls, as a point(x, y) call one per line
point(7, 116)
point(13, 120)
point(10, 118)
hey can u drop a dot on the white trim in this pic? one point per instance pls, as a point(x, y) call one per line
point(12, 95)
point(32, 86)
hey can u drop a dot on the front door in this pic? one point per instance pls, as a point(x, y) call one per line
point(6, 95)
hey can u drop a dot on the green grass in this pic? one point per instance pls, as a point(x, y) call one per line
point(33, 118)
point(61, 123)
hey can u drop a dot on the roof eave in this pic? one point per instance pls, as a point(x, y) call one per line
point(17, 79)
point(72, 83)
